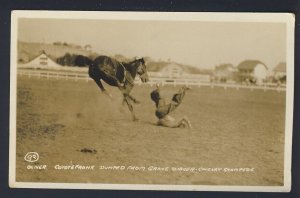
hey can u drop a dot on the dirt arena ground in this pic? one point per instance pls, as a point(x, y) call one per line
point(72, 123)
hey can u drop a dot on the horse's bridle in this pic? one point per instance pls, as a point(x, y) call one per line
point(141, 63)
point(139, 73)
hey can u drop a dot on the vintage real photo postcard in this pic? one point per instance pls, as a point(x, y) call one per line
point(151, 100)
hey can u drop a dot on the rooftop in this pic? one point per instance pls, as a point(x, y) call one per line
point(250, 64)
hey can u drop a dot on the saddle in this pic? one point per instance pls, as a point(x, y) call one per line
point(123, 74)
point(119, 71)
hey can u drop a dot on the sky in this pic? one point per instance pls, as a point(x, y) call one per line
point(197, 43)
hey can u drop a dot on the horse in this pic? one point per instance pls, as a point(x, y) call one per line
point(118, 74)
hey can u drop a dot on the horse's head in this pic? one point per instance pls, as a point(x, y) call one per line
point(142, 70)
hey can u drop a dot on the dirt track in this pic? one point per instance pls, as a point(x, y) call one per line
point(70, 122)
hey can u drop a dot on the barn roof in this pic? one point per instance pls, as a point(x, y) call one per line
point(42, 52)
point(224, 67)
point(250, 64)
point(35, 62)
point(281, 67)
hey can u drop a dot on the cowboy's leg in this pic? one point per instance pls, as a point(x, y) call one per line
point(176, 100)
point(173, 123)
point(162, 111)
point(166, 109)
point(182, 123)
point(187, 121)
point(168, 123)
point(178, 97)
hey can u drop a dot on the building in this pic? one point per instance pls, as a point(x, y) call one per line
point(280, 70)
point(43, 61)
point(253, 71)
point(224, 73)
point(177, 72)
point(172, 70)
point(279, 73)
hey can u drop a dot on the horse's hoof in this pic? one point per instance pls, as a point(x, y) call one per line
point(135, 119)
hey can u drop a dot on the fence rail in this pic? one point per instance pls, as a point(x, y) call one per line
point(152, 81)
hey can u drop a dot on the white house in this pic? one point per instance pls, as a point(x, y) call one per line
point(224, 72)
point(252, 70)
point(172, 70)
point(41, 62)
point(280, 70)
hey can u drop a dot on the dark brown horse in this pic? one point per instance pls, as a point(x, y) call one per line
point(118, 74)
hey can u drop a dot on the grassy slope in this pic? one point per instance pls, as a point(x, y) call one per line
point(54, 51)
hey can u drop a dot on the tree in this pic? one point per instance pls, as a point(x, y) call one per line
point(57, 43)
point(88, 47)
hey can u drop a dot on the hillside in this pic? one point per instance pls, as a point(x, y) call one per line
point(28, 51)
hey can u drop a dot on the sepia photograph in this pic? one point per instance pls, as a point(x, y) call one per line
point(151, 100)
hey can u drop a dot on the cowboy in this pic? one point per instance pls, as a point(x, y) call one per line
point(163, 109)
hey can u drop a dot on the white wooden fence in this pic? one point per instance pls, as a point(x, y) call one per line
point(54, 74)
point(152, 80)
